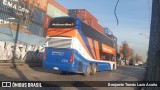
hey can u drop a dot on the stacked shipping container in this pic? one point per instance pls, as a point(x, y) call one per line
point(54, 10)
point(8, 10)
point(86, 17)
point(58, 6)
point(50, 7)
point(108, 31)
point(41, 4)
point(46, 21)
point(31, 39)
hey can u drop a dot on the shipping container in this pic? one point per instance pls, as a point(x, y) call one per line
point(53, 11)
point(46, 22)
point(83, 14)
point(37, 30)
point(9, 8)
point(41, 4)
point(108, 31)
point(98, 27)
point(86, 17)
point(113, 37)
point(12, 8)
point(38, 15)
point(6, 21)
point(57, 5)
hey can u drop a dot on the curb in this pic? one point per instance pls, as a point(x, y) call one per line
point(20, 65)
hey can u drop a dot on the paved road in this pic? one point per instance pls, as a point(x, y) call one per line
point(123, 73)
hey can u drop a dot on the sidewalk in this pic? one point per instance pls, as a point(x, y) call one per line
point(9, 64)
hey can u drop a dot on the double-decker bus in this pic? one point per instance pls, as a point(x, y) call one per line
point(73, 46)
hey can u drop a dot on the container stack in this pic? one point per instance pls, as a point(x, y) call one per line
point(86, 17)
point(54, 10)
point(41, 4)
point(109, 33)
point(31, 16)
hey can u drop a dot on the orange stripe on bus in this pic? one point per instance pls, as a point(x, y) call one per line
point(97, 50)
point(108, 49)
point(91, 46)
point(83, 44)
point(62, 32)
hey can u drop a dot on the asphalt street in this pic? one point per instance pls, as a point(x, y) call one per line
point(123, 73)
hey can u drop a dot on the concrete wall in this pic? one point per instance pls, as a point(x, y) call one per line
point(24, 53)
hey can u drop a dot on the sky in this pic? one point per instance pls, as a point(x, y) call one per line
point(134, 18)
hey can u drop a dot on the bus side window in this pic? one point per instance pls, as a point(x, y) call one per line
point(106, 58)
point(102, 57)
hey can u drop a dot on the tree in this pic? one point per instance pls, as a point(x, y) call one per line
point(138, 58)
point(153, 62)
point(126, 52)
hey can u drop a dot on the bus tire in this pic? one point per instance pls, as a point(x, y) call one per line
point(113, 66)
point(94, 69)
point(88, 72)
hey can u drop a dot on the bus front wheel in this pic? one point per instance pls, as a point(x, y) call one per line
point(88, 72)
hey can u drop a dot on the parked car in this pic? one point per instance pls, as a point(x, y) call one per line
point(136, 64)
point(140, 63)
point(122, 62)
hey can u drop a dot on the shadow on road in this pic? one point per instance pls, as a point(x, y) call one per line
point(131, 71)
point(6, 78)
point(19, 73)
point(41, 69)
point(69, 73)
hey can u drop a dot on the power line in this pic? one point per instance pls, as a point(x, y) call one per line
point(149, 8)
point(158, 3)
point(115, 11)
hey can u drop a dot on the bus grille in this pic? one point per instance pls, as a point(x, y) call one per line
point(59, 43)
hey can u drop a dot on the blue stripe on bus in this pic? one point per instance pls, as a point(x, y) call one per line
point(86, 43)
point(94, 48)
point(85, 40)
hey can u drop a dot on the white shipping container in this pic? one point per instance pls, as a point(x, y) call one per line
point(52, 11)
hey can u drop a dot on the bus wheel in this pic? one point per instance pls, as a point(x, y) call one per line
point(94, 69)
point(88, 72)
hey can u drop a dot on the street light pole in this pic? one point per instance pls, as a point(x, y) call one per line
point(144, 35)
point(15, 44)
point(15, 39)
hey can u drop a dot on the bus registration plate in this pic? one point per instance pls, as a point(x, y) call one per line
point(55, 68)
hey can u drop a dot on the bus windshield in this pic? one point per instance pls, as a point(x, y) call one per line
point(65, 22)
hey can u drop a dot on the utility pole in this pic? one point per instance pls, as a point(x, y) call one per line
point(21, 17)
point(153, 62)
point(15, 44)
